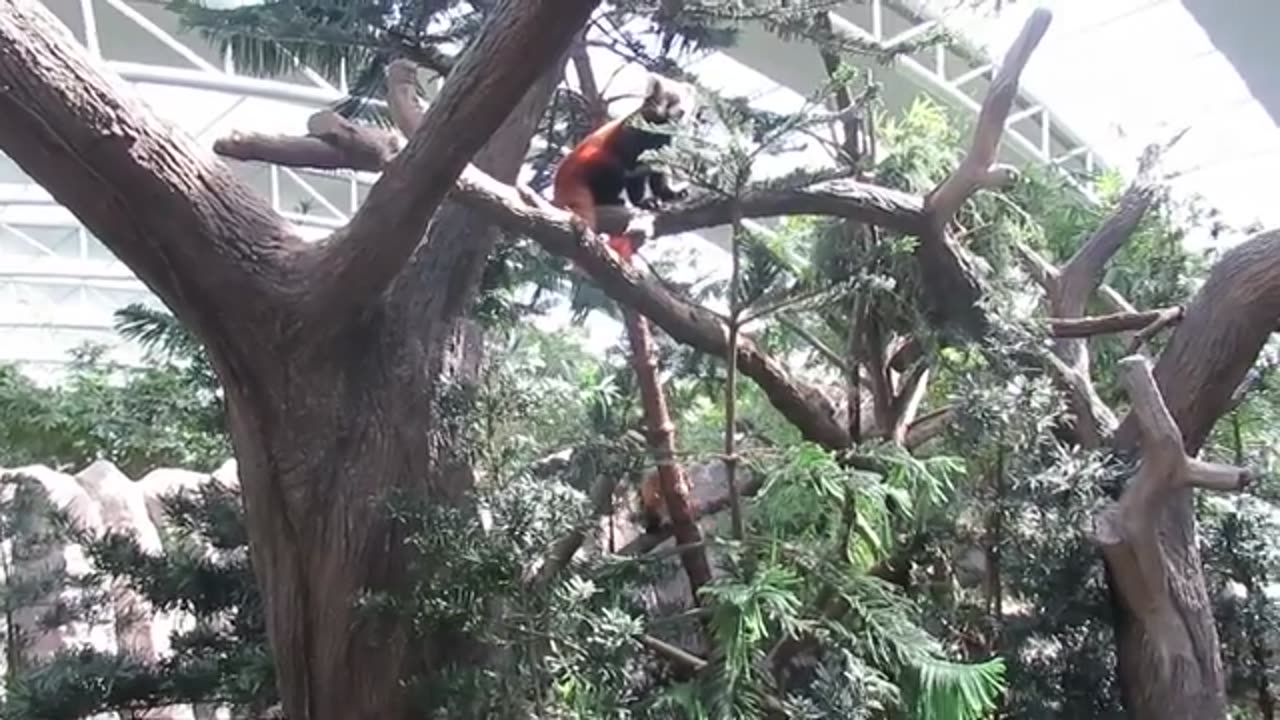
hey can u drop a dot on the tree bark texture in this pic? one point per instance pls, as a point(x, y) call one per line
point(1222, 331)
point(661, 434)
point(334, 356)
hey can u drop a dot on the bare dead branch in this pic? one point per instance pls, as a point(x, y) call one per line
point(1167, 317)
point(1149, 321)
point(1083, 272)
point(685, 660)
point(519, 41)
point(978, 169)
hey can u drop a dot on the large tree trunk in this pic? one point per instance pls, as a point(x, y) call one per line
point(1224, 329)
point(333, 356)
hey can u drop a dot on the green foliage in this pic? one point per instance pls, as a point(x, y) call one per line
point(141, 418)
point(205, 573)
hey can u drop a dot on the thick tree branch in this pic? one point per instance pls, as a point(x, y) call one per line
point(520, 40)
point(979, 170)
point(804, 406)
point(1082, 274)
point(850, 199)
point(1128, 529)
point(1149, 321)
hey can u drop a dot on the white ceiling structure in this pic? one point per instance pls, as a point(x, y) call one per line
point(1126, 73)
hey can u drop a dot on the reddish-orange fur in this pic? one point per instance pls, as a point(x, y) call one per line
point(606, 165)
point(570, 190)
point(653, 506)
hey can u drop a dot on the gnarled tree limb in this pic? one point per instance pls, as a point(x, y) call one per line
point(1128, 529)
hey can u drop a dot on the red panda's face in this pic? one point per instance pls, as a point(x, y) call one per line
point(666, 101)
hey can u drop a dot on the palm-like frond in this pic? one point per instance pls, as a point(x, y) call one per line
point(934, 688)
point(157, 330)
point(945, 690)
point(334, 38)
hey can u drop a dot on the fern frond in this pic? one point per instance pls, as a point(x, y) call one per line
point(156, 330)
point(945, 690)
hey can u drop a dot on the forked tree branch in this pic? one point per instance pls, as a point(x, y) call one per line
point(979, 169)
point(1128, 530)
point(1068, 290)
point(1082, 274)
point(519, 41)
point(1148, 321)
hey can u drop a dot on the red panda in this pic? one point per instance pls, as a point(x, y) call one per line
point(606, 163)
point(653, 506)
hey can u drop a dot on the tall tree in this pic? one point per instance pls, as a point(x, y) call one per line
point(337, 357)
point(369, 315)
